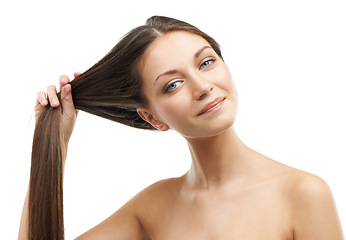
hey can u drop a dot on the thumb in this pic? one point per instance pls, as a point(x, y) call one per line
point(66, 100)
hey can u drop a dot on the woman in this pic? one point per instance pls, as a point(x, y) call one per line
point(170, 75)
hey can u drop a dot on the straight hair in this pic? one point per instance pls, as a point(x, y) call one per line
point(111, 89)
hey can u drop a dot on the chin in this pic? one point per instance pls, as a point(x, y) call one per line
point(210, 125)
point(213, 129)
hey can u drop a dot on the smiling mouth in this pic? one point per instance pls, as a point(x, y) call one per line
point(212, 106)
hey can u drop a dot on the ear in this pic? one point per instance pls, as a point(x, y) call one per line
point(147, 116)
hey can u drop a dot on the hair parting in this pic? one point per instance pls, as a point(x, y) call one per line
point(111, 89)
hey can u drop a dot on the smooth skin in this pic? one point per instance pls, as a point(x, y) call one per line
point(231, 191)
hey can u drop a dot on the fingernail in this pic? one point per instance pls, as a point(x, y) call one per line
point(55, 102)
point(66, 90)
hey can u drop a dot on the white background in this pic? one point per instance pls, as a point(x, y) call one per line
point(287, 58)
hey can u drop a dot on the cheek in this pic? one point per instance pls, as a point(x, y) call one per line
point(224, 81)
point(224, 77)
point(174, 108)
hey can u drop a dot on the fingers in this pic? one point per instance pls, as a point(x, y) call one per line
point(66, 100)
point(65, 92)
point(41, 98)
point(52, 96)
point(66, 96)
point(76, 74)
point(63, 80)
point(65, 89)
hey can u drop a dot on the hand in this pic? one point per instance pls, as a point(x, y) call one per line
point(69, 112)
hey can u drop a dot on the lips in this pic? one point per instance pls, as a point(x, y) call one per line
point(211, 106)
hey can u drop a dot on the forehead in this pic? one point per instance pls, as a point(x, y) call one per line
point(169, 51)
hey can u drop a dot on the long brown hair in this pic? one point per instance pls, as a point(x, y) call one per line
point(111, 89)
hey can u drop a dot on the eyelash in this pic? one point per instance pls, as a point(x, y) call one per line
point(209, 60)
point(166, 89)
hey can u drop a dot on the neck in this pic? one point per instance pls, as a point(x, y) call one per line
point(218, 160)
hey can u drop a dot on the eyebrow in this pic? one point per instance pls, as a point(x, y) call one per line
point(175, 71)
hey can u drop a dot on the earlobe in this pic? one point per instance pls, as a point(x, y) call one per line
point(149, 117)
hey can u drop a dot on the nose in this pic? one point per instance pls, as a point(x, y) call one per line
point(201, 87)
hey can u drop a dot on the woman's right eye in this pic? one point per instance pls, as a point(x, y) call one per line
point(171, 87)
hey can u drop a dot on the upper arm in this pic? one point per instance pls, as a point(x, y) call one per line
point(314, 215)
point(121, 225)
point(128, 222)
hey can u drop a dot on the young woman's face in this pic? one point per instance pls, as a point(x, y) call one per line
point(189, 88)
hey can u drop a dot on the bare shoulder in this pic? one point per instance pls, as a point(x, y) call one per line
point(159, 190)
point(313, 211)
point(127, 221)
point(154, 200)
point(309, 193)
point(305, 182)
point(161, 185)
point(309, 203)
point(297, 182)
point(304, 186)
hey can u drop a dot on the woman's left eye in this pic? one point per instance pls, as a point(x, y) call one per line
point(171, 87)
point(206, 63)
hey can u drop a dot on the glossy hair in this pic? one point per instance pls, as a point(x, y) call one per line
point(111, 89)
